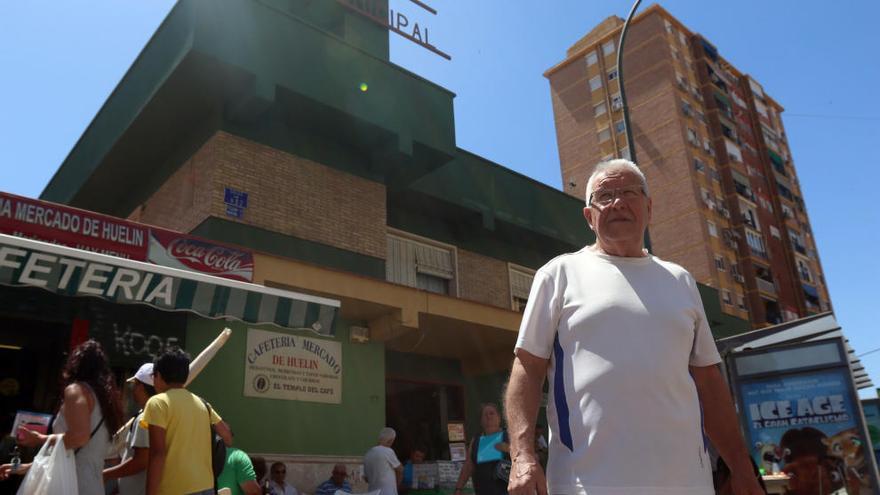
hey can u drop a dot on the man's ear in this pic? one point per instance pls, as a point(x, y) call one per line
point(588, 216)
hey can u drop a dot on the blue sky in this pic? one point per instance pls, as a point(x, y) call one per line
point(60, 60)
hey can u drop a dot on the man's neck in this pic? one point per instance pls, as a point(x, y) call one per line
point(620, 249)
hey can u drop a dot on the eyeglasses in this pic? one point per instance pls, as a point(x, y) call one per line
point(603, 198)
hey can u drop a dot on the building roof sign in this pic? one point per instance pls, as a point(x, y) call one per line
point(396, 22)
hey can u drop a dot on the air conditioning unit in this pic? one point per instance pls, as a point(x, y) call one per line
point(739, 278)
point(616, 105)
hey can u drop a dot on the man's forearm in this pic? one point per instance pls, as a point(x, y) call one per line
point(521, 404)
point(154, 471)
point(721, 422)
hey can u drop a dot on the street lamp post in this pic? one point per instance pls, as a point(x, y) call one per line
point(630, 143)
point(627, 128)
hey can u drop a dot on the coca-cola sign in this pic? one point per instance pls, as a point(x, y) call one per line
point(189, 253)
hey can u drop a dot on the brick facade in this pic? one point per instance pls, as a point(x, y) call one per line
point(483, 279)
point(286, 194)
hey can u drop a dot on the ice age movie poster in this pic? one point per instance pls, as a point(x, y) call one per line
point(805, 426)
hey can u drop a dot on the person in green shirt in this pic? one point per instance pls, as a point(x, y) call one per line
point(238, 474)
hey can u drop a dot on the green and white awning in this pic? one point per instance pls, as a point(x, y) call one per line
point(73, 272)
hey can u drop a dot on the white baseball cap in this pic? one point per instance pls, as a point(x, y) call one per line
point(144, 374)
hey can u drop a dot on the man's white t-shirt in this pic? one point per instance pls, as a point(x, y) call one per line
point(623, 411)
point(379, 465)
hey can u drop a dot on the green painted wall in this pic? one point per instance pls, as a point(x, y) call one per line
point(293, 427)
point(291, 247)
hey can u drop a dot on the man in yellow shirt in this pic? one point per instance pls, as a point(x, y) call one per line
point(179, 427)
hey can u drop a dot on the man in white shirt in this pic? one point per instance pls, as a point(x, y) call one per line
point(632, 365)
point(382, 469)
point(132, 470)
point(278, 480)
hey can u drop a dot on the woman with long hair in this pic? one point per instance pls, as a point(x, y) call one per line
point(90, 411)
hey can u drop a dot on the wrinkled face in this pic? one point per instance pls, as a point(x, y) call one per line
point(490, 420)
point(339, 475)
point(279, 472)
point(626, 217)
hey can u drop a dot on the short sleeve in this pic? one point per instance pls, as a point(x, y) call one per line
point(392, 458)
point(244, 470)
point(540, 318)
point(155, 412)
point(703, 352)
point(141, 435)
point(215, 418)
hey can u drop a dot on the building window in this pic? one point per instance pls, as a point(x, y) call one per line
point(775, 232)
point(756, 243)
point(599, 109)
point(612, 74)
point(719, 262)
point(619, 127)
point(692, 137)
point(668, 26)
point(681, 38)
point(624, 153)
point(520, 285)
point(423, 265)
point(595, 83)
point(740, 301)
point(699, 166)
point(725, 296)
point(804, 271)
point(616, 102)
point(713, 230)
point(608, 47)
point(592, 59)
point(604, 135)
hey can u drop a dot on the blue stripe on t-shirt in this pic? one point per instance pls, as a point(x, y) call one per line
point(559, 396)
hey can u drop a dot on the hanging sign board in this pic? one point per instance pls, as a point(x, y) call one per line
point(292, 367)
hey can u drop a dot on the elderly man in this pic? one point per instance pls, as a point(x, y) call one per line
point(382, 469)
point(634, 381)
point(338, 482)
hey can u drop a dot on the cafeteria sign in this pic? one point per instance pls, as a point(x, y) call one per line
point(292, 367)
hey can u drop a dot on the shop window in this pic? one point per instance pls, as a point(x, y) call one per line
point(420, 413)
point(429, 267)
point(520, 286)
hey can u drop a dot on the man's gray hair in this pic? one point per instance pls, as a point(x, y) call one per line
point(386, 434)
point(611, 165)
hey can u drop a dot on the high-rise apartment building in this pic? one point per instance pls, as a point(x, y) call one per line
point(727, 203)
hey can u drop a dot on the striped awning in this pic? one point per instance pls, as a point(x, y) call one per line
point(73, 272)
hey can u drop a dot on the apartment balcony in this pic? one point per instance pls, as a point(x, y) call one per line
point(799, 248)
point(757, 253)
point(744, 191)
point(766, 287)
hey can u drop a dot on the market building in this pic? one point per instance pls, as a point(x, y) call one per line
point(389, 266)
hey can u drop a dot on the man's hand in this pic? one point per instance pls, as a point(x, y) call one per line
point(526, 477)
point(745, 483)
point(5, 471)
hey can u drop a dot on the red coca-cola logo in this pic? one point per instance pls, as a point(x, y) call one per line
point(214, 257)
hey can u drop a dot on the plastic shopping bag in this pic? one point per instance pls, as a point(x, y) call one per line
point(53, 471)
